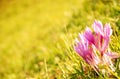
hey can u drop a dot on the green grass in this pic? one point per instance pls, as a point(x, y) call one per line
point(37, 37)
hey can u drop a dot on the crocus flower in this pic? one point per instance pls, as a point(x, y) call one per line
point(93, 47)
point(102, 36)
point(86, 51)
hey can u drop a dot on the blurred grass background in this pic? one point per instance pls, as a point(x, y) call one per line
point(28, 32)
point(36, 36)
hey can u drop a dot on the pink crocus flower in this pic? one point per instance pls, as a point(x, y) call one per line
point(93, 46)
point(86, 51)
point(102, 35)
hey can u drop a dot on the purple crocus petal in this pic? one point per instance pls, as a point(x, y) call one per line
point(82, 38)
point(78, 51)
point(88, 35)
point(91, 58)
point(98, 41)
point(106, 38)
point(98, 27)
point(113, 55)
point(82, 46)
point(83, 41)
point(107, 30)
point(105, 44)
point(88, 59)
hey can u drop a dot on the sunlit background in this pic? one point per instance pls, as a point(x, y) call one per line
point(36, 36)
point(28, 31)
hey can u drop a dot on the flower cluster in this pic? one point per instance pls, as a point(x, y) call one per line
point(93, 47)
